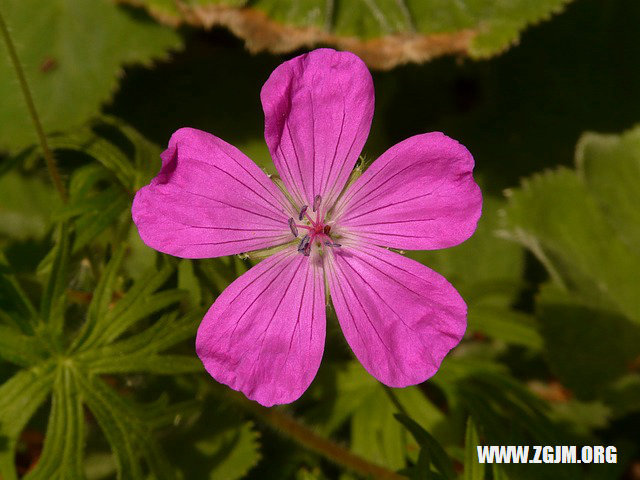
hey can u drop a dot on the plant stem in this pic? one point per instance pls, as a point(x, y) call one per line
point(24, 86)
point(314, 442)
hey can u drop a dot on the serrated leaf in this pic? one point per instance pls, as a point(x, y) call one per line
point(64, 443)
point(215, 441)
point(557, 217)
point(384, 33)
point(51, 41)
point(610, 165)
point(481, 261)
point(242, 447)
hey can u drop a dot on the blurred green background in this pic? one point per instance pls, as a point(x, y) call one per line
point(98, 374)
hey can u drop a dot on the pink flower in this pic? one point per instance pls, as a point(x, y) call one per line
point(264, 335)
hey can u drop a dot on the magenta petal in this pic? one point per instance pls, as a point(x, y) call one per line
point(399, 317)
point(318, 109)
point(209, 200)
point(264, 335)
point(420, 194)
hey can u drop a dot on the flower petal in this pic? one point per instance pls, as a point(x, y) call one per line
point(209, 200)
point(318, 109)
point(399, 317)
point(419, 195)
point(264, 335)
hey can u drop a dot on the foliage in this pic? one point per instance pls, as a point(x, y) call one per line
point(51, 39)
point(384, 33)
point(98, 374)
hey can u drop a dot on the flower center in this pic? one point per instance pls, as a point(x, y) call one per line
point(318, 230)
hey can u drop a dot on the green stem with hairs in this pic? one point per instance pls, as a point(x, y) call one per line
point(26, 93)
point(309, 439)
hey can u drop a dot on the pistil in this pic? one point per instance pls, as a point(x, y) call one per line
point(317, 231)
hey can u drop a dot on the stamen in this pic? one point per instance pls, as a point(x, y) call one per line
point(303, 210)
point(327, 229)
point(329, 244)
point(316, 202)
point(304, 243)
point(292, 226)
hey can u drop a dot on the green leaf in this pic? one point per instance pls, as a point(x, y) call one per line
point(162, 334)
point(241, 448)
point(578, 343)
point(103, 210)
point(384, 33)
point(101, 299)
point(481, 261)
point(139, 363)
point(54, 296)
point(214, 442)
point(127, 427)
point(508, 326)
point(610, 165)
point(25, 206)
point(146, 158)
point(438, 456)
point(188, 282)
point(64, 443)
point(556, 216)
point(13, 299)
point(375, 434)
point(51, 40)
point(20, 397)
point(496, 400)
point(18, 348)
point(473, 470)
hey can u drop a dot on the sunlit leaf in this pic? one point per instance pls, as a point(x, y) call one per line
point(384, 33)
point(69, 76)
point(558, 218)
point(610, 165)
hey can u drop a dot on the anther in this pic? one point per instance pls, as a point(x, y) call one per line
point(303, 210)
point(292, 226)
point(304, 243)
point(327, 229)
point(329, 244)
point(316, 202)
